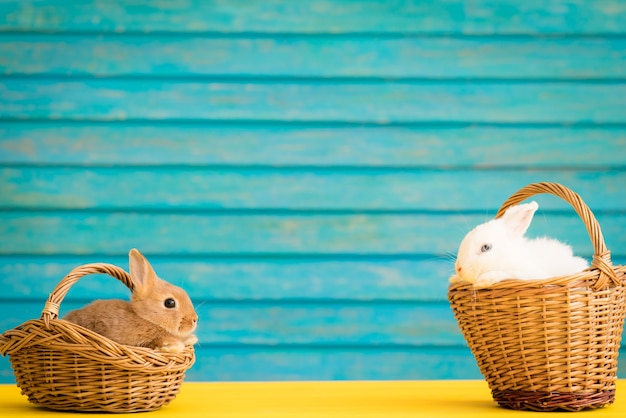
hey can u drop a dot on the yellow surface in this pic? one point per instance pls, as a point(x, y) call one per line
point(421, 399)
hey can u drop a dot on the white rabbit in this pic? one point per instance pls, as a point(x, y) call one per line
point(497, 250)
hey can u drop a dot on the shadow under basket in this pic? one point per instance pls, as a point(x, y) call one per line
point(548, 345)
point(63, 366)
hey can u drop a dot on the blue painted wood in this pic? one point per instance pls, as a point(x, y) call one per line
point(242, 363)
point(113, 233)
point(156, 188)
point(301, 323)
point(236, 144)
point(246, 278)
point(305, 56)
point(234, 279)
point(325, 363)
point(305, 169)
point(315, 101)
point(329, 16)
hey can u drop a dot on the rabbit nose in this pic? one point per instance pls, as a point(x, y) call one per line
point(458, 269)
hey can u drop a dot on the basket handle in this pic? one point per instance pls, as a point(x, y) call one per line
point(51, 308)
point(601, 255)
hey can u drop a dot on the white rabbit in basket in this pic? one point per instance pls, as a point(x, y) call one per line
point(497, 250)
point(159, 316)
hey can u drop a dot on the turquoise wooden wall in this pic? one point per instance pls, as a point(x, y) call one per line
point(304, 169)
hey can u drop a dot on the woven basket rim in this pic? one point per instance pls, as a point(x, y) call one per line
point(583, 279)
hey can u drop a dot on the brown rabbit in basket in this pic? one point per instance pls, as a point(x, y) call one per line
point(159, 316)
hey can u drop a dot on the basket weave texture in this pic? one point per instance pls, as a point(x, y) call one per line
point(551, 344)
point(63, 366)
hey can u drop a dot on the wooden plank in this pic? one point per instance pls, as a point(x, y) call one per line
point(238, 279)
point(160, 188)
point(59, 143)
point(248, 279)
point(331, 16)
point(202, 234)
point(313, 101)
point(300, 324)
point(386, 363)
point(320, 363)
point(304, 56)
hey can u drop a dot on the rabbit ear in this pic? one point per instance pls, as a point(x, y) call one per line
point(141, 273)
point(517, 218)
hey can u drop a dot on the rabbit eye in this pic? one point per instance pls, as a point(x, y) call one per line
point(485, 248)
point(169, 303)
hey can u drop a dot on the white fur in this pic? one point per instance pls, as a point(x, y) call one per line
point(512, 256)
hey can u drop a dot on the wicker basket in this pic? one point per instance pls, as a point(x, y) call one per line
point(63, 366)
point(549, 344)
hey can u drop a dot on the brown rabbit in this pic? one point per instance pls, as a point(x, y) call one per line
point(159, 316)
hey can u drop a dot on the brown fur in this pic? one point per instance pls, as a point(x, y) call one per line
point(144, 321)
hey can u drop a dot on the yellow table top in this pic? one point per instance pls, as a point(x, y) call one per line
point(424, 399)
